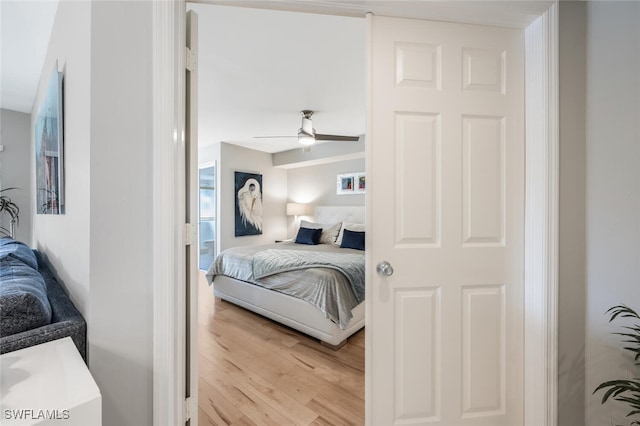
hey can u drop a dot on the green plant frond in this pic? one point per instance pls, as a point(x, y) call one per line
point(630, 383)
point(625, 390)
point(622, 310)
point(630, 335)
point(633, 336)
point(633, 401)
point(614, 391)
point(633, 413)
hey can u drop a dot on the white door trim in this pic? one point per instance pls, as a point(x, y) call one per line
point(168, 263)
point(541, 220)
point(541, 213)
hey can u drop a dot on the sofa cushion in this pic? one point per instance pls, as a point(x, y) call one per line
point(17, 250)
point(23, 297)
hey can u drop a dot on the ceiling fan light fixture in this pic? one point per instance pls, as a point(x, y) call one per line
point(306, 139)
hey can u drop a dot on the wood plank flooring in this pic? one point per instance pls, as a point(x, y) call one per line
point(254, 371)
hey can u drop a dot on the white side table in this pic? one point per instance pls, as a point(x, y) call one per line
point(48, 384)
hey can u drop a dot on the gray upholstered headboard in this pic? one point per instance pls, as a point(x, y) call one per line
point(335, 214)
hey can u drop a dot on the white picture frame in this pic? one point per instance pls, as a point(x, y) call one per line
point(351, 183)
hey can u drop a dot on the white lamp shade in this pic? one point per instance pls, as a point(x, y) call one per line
point(296, 209)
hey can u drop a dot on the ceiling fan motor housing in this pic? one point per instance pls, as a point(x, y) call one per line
point(307, 124)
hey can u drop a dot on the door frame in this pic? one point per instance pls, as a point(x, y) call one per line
point(541, 199)
point(168, 189)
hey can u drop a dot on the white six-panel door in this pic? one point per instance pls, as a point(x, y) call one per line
point(446, 210)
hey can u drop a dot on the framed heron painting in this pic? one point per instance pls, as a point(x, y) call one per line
point(248, 204)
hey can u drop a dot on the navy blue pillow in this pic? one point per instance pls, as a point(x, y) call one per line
point(352, 239)
point(309, 236)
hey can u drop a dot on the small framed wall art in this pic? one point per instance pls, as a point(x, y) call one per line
point(351, 183)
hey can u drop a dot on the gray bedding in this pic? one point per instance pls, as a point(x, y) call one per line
point(313, 278)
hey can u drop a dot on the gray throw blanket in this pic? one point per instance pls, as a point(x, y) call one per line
point(272, 261)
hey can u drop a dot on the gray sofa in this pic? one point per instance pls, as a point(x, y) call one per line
point(34, 308)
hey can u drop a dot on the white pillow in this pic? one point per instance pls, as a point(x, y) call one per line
point(329, 232)
point(357, 227)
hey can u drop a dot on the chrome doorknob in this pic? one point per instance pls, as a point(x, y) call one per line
point(384, 268)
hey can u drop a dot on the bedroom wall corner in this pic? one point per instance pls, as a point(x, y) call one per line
point(274, 197)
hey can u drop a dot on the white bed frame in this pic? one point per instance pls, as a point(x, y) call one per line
point(288, 310)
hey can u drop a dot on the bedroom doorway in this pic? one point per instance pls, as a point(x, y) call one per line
point(541, 231)
point(287, 377)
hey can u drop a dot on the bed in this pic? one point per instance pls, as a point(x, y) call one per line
point(315, 289)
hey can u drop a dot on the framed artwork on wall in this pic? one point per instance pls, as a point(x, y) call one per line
point(49, 148)
point(248, 204)
point(351, 183)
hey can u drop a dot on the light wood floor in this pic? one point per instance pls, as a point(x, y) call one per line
point(254, 371)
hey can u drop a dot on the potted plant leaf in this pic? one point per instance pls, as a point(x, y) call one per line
point(9, 207)
point(626, 390)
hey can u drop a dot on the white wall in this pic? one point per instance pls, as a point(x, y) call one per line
point(121, 320)
point(612, 192)
point(15, 164)
point(274, 196)
point(101, 247)
point(64, 239)
point(208, 153)
point(317, 184)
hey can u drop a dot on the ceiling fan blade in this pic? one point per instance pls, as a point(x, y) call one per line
point(337, 138)
point(274, 137)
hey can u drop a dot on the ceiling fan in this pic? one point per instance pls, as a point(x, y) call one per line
point(307, 135)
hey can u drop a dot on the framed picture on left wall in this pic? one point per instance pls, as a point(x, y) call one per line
point(49, 148)
point(248, 204)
